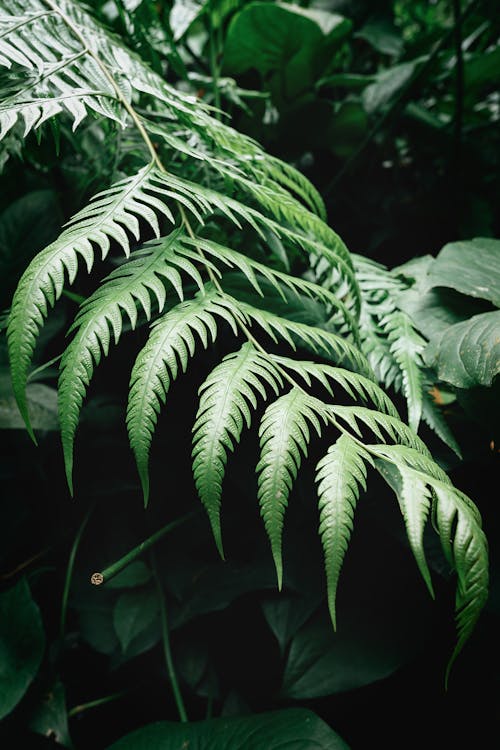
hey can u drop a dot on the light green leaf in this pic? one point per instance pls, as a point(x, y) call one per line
point(339, 475)
point(22, 642)
point(467, 354)
point(471, 267)
point(294, 728)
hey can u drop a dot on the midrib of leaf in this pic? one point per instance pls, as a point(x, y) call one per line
point(119, 95)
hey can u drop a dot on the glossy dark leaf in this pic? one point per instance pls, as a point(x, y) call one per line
point(22, 643)
point(293, 729)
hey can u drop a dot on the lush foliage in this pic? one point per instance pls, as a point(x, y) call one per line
point(233, 305)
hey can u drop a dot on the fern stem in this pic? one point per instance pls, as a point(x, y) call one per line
point(172, 675)
point(69, 572)
point(112, 570)
point(119, 95)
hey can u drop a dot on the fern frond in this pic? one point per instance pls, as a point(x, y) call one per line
point(286, 175)
point(433, 417)
point(322, 342)
point(227, 398)
point(356, 385)
point(414, 498)
point(279, 280)
point(379, 424)
point(170, 346)
point(100, 318)
point(112, 215)
point(339, 476)
point(462, 538)
point(284, 437)
point(407, 346)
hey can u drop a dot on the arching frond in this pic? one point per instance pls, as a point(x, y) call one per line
point(284, 437)
point(111, 215)
point(462, 538)
point(339, 476)
point(325, 343)
point(170, 346)
point(227, 398)
point(379, 424)
point(252, 268)
point(407, 346)
point(356, 385)
point(100, 318)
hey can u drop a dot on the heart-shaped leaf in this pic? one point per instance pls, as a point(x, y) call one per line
point(295, 729)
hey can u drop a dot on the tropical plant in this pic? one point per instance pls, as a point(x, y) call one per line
point(209, 243)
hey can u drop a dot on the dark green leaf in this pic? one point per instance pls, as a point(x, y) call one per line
point(388, 83)
point(22, 643)
point(133, 613)
point(135, 574)
point(293, 729)
point(50, 718)
point(42, 404)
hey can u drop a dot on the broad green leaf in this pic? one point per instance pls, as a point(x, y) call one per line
point(435, 309)
point(286, 613)
point(42, 404)
point(381, 628)
point(267, 36)
point(49, 717)
point(135, 574)
point(382, 35)
point(133, 613)
point(22, 642)
point(468, 353)
point(26, 226)
point(388, 83)
point(293, 729)
point(471, 267)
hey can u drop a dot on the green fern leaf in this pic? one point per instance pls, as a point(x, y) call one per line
point(379, 424)
point(339, 475)
point(407, 346)
point(111, 215)
point(432, 416)
point(227, 398)
point(171, 344)
point(414, 498)
point(250, 267)
point(320, 341)
point(284, 437)
point(356, 385)
point(100, 317)
point(462, 538)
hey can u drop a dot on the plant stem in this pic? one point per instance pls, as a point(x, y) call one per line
point(69, 572)
point(172, 676)
point(95, 703)
point(119, 95)
point(112, 570)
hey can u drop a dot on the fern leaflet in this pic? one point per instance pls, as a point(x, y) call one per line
point(339, 475)
point(227, 398)
point(284, 437)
